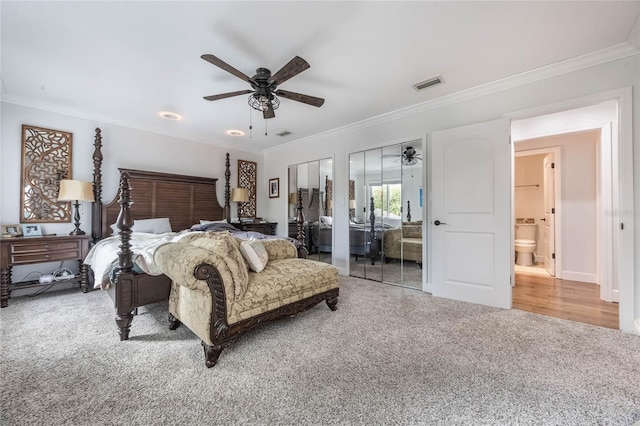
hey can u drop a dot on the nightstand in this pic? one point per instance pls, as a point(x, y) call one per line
point(267, 228)
point(31, 250)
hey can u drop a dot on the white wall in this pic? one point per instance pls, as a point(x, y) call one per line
point(578, 206)
point(157, 152)
point(414, 123)
point(122, 147)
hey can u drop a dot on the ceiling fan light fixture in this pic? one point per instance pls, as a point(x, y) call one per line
point(261, 103)
point(409, 161)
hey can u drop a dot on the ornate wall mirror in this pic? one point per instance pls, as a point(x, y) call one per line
point(46, 159)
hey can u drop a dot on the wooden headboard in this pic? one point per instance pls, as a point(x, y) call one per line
point(185, 200)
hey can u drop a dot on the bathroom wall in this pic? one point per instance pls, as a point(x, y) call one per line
point(578, 206)
point(529, 199)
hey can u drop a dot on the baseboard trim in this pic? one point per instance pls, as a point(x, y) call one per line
point(580, 276)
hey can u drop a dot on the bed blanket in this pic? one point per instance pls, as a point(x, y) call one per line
point(103, 257)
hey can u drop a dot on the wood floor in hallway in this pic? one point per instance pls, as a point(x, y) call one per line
point(572, 300)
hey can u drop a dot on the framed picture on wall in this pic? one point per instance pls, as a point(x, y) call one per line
point(274, 188)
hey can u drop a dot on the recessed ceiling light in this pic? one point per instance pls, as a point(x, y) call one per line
point(235, 132)
point(170, 115)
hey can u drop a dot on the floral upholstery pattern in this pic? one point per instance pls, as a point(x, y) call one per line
point(280, 283)
point(285, 280)
point(280, 249)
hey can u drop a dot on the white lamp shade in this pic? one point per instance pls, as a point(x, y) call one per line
point(352, 204)
point(239, 195)
point(75, 190)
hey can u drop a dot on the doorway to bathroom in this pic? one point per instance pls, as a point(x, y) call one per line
point(537, 192)
point(563, 196)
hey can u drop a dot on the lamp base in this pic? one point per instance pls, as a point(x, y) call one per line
point(76, 220)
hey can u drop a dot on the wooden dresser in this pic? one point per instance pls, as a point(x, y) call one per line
point(31, 250)
point(267, 228)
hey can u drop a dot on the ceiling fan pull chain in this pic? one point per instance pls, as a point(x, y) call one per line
point(265, 127)
point(250, 125)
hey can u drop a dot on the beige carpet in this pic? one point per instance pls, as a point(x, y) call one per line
point(388, 356)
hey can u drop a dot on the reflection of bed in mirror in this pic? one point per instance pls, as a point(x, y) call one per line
point(320, 234)
point(365, 239)
point(361, 244)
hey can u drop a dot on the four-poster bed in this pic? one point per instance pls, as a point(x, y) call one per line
point(184, 200)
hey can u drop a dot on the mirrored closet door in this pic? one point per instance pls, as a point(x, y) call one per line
point(313, 181)
point(385, 232)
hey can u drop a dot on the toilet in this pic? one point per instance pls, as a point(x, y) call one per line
point(525, 243)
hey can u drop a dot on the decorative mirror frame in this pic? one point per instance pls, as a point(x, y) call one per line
point(46, 159)
point(247, 178)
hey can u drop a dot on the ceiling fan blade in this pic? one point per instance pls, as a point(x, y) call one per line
point(227, 95)
point(305, 99)
point(228, 68)
point(269, 112)
point(293, 68)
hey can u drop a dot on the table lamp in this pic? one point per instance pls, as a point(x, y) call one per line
point(76, 191)
point(240, 196)
point(352, 208)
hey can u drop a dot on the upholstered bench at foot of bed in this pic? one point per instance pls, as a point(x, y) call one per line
point(207, 298)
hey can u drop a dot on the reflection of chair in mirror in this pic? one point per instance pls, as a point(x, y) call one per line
point(404, 243)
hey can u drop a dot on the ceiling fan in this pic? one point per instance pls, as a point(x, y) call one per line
point(409, 156)
point(264, 93)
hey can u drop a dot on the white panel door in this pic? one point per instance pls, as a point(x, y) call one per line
point(549, 215)
point(471, 205)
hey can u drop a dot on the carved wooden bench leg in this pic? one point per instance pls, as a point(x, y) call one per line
point(173, 322)
point(123, 321)
point(331, 303)
point(211, 354)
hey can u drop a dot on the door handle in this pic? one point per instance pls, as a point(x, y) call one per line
point(438, 223)
point(543, 219)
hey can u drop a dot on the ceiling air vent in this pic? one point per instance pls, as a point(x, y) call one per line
point(283, 133)
point(427, 83)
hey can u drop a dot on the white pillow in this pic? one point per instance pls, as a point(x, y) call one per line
point(152, 226)
point(326, 220)
point(255, 254)
point(205, 222)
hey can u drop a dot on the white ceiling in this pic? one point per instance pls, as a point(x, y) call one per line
point(125, 62)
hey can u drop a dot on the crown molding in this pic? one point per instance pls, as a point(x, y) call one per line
point(577, 63)
point(72, 112)
point(612, 53)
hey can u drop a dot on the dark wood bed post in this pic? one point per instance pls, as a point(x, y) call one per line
point(227, 189)
point(326, 198)
point(373, 249)
point(302, 249)
point(408, 211)
point(96, 208)
point(124, 276)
